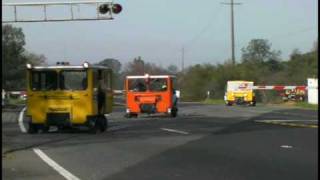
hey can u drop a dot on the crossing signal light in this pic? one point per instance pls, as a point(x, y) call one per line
point(114, 8)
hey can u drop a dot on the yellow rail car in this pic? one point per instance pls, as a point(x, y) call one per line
point(240, 92)
point(68, 96)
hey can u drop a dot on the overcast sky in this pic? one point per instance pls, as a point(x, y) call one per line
point(157, 30)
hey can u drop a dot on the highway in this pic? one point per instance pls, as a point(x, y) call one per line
point(204, 142)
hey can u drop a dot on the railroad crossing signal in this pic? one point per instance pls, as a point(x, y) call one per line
point(102, 10)
point(114, 8)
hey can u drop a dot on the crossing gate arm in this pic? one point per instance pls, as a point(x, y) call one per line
point(279, 88)
point(70, 4)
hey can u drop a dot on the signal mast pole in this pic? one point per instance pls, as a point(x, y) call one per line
point(182, 60)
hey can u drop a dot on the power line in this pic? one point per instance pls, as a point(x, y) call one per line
point(203, 30)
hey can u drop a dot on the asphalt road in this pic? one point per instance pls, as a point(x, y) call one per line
point(203, 142)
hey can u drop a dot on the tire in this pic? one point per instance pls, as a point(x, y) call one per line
point(103, 123)
point(228, 104)
point(174, 112)
point(132, 115)
point(45, 129)
point(253, 103)
point(93, 125)
point(32, 128)
point(62, 128)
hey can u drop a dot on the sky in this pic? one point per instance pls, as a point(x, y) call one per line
point(157, 30)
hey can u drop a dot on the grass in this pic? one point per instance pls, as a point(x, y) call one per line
point(306, 105)
point(15, 101)
point(214, 101)
point(303, 105)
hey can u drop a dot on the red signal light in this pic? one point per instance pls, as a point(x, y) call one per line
point(116, 8)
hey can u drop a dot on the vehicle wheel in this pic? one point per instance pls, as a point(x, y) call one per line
point(132, 115)
point(33, 128)
point(45, 129)
point(62, 128)
point(253, 103)
point(94, 126)
point(229, 104)
point(103, 123)
point(174, 112)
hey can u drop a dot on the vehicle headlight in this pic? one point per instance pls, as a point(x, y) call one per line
point(29, 66)
point(85, 64)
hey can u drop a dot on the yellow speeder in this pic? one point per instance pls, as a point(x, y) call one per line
point(240, 92)
point(68, 96)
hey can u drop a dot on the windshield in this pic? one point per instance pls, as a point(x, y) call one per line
point(68, 80)
point(44, 80)
point(154, 84)
point(73, 80)
point(239, 86)
point(137, 85)
point(158, 84)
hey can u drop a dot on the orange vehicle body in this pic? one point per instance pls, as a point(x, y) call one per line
point(151, 98)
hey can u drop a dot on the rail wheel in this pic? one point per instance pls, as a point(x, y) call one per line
point(33, 128)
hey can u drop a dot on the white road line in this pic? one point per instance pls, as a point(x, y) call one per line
point(116, 128)
point(286, 146)
point(66, 174)
point(55, 165)
point(20, 120)
point(271, 120)
point(173, 130)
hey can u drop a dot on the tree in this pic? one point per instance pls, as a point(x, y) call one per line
point(114, 64)
point(172, 69)
point(15, 57)
point(259, 50)
point(35, 59)
point(136, 67)
point(13, 61)
point(140, 67)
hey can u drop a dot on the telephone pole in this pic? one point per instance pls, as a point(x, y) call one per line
point(182, 60)
point(232, 30)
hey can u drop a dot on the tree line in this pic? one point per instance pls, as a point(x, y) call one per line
point(259, 63)
point(15, 57)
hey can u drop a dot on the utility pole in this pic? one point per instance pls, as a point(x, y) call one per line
point(182, 60)
point(232, 30)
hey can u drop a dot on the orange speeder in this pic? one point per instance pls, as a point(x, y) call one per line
point(150, 94)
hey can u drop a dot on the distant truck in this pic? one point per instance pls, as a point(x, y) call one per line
point(239, 92)
point(294, 95)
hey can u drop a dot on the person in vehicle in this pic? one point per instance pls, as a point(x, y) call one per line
point(164, 87)
point(84, 83)
point(174, 98)
point(140, 87)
